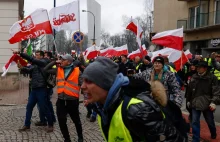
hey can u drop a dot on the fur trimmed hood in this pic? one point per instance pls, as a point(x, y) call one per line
point(159, 93)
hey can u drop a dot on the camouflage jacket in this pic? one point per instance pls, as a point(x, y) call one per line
point(169, 81)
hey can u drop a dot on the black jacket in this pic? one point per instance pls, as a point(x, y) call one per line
point(145, 120)
point(202, 90)
point(123, 68)
point(145, 67)
point(37, 79)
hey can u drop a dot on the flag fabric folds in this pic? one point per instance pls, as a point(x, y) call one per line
point(34, 25)
point(65, 17)
point(172, 39)
point(13, 61)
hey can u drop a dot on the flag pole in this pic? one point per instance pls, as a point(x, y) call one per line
point(54, 32)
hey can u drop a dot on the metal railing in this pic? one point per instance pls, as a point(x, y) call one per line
point(199, 21)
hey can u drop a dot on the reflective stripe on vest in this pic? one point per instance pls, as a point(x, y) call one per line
point(117, 129)
point(208, 61)
point(217, 74)
point(172, 69)
point(137, 67)
point(70, 86)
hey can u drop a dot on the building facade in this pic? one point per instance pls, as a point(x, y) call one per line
point(200, 19)
point(95, 8)
point(10, 12)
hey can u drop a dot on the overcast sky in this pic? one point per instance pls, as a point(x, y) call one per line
point(112, 11)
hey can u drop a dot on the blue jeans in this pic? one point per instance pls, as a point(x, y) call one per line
point(50, 105)
point(209, 118)
point(39, 96)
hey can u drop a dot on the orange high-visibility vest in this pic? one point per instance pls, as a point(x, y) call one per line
point(70, 86)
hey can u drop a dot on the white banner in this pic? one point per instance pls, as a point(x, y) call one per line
point(65, 17)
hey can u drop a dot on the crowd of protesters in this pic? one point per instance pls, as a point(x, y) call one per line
point(141, 98)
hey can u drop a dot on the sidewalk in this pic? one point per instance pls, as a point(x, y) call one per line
point(204, 132)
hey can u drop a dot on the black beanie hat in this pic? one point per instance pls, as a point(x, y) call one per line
point(159, 59)
point(102, 72)
point(148, 58)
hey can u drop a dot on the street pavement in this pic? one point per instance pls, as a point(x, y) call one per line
point(12, 116)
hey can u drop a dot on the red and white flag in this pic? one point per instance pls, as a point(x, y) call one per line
point(65, 17)
point(91, 52)
point(138, 31)
point(36, 24)
point(13, 61)
point(188, 54)
point(172, 39)
point(108, 52)
point(175, 56)
point(137, 53)
point(123, 50)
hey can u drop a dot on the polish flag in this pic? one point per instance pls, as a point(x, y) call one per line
point(188, 54)
point(137, 53)
point(34, 25)
point(13, 61)
point(175, 56)
point(107, 52)
point(172, 39)
point(123, 50)
point(138, 31)
point(91, 52)
point(179, 59)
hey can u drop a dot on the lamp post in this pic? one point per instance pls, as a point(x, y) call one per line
point(94, 24)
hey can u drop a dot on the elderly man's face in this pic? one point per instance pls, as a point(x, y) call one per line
point(94, 92)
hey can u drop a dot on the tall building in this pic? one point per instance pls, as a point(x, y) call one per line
point(200, 19)
point(10, 12)
point(94, 7)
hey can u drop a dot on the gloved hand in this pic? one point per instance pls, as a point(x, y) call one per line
point(212, 106)
point(188, 104)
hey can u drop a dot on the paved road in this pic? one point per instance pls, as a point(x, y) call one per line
point(12, 118)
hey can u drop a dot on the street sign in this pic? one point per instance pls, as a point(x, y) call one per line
point(78, 37)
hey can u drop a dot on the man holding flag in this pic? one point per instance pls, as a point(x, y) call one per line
point(38, 89)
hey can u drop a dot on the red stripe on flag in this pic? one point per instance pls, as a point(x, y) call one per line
point(132, 27)
point(40, 29)
point(170, 41)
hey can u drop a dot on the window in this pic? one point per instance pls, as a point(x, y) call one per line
point(217, 12)
point(204, 13)
point(194, 17)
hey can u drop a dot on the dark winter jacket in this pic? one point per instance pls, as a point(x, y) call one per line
point(34, 70)
point(145, 120)
point(123, 68)
point(145, 67)
point(202, 90)
point(168, 80)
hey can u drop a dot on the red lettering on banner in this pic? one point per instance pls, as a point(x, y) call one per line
point(64, 19)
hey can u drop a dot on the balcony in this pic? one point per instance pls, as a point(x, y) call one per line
point(202, 21)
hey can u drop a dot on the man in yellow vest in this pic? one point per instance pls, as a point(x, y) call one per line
point(124, 118)
point(68, 88)
point(137, 64)
point(216, 65)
